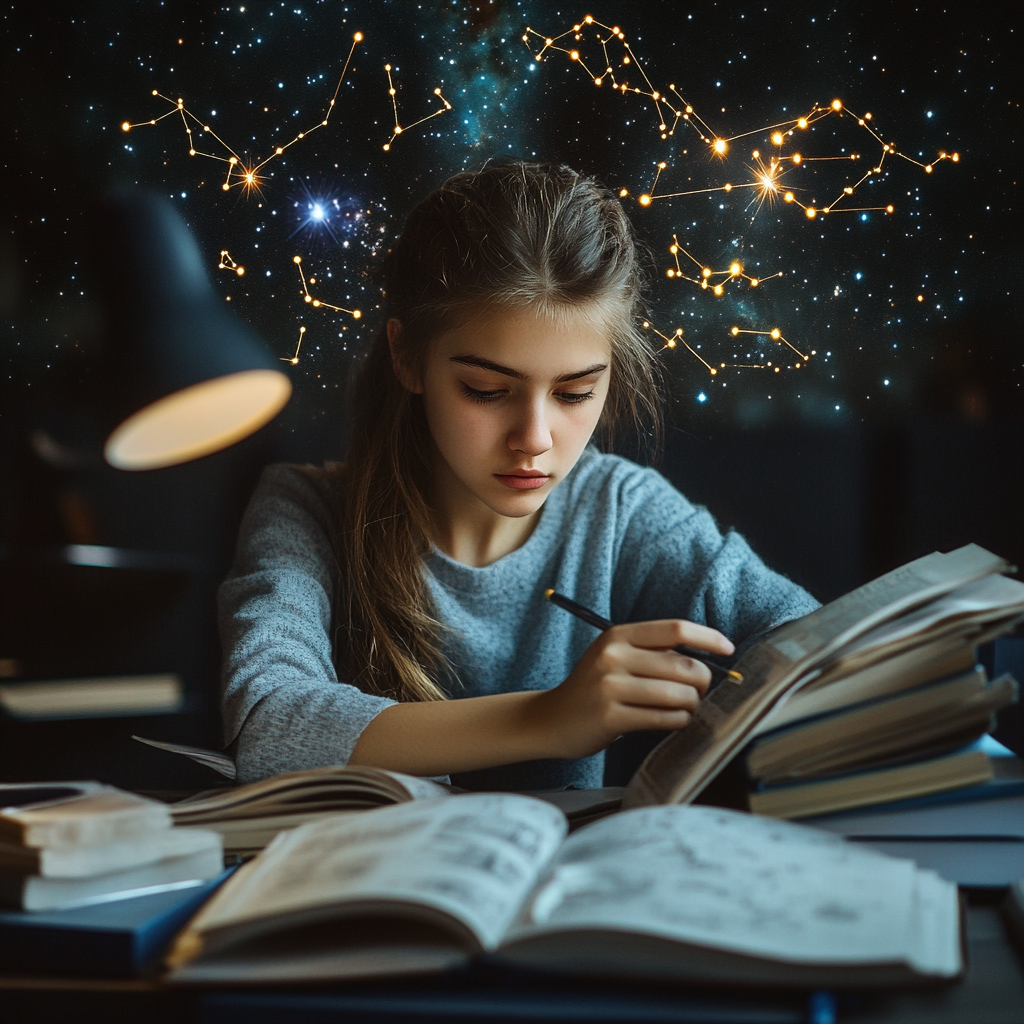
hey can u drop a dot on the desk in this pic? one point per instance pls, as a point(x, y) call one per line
point(991, 993)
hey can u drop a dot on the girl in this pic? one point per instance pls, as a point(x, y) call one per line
point(365, 598)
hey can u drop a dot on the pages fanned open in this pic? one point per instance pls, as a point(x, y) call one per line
point(670, 893)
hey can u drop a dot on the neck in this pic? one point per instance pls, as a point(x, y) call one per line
point(467, 530)
point(481, 543)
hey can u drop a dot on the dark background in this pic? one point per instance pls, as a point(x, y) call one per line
point(902, 434)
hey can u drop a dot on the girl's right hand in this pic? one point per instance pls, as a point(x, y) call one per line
point(630, 679)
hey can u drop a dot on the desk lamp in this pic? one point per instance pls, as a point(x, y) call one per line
point(191, 377)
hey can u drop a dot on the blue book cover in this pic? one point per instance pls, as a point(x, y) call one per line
point(117, 939)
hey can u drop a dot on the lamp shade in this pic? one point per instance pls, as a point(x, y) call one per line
point(191, 377)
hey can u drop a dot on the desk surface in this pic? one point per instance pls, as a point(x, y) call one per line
point(991, 993)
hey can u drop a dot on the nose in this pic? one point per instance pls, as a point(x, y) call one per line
point(530, 433)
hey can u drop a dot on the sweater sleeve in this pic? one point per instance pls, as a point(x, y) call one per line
point(281, 698)
point(675, 562)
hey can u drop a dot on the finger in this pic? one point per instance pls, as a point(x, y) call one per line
point(669, 633)
point(652, 664)
point(633, 719)
point(653, 693)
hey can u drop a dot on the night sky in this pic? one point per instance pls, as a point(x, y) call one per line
point(908, 314)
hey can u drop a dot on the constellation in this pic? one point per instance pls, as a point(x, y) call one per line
point(676, 338)
point(661, 101)
point(239, 172)
point(767, 176)
point(399, 128)
point(672, 340)
point(776, 335)
point(317, 303)
point(707, 275)
point(671, 108)
point(294, 360)
point(227, 263)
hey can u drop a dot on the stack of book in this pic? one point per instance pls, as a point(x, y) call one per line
point(68, 844)
point(876, 726)
point(972, 836)
point(873, 698)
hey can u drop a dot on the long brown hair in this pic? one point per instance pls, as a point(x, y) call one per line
point(506, 237)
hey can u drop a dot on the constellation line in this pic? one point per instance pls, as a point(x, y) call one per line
point(399, 127)
point(239, 172)
point(294, 360)
point(318, 303)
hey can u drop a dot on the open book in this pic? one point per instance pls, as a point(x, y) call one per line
point(670, 893)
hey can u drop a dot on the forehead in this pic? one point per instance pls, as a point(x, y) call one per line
point(532, 340)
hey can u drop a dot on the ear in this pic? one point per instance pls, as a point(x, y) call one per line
point(404, 374)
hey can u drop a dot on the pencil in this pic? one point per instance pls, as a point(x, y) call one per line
point(599, 622)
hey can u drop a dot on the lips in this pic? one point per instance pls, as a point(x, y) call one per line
point(523, 480)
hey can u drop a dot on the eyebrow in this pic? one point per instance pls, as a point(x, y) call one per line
point(507, 371)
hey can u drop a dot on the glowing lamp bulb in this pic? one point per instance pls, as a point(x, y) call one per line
point(198, 420)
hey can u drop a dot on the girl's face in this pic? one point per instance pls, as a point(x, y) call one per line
point(511, 399)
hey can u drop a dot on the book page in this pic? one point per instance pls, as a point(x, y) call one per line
point(900, 672)
point(474, 857)
point(993, 597)
point(309, 790)
point(741, 883)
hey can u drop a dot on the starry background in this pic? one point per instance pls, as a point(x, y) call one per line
point(903, 434)
point(910, 312)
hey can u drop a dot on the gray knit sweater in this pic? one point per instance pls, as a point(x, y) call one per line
point(614, 536)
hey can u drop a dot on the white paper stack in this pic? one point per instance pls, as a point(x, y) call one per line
point(66, 844)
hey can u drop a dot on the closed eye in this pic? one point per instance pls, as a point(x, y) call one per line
point(575, 397)
point(484, 396)
point(476, 395)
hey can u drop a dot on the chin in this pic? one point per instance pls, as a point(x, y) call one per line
point(515, 506)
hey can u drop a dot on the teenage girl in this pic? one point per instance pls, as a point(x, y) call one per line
point(390, 611)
